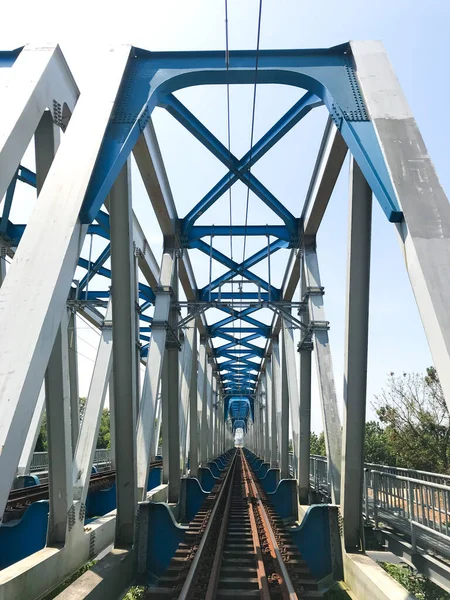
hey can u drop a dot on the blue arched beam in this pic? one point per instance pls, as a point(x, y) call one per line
point(327, 73)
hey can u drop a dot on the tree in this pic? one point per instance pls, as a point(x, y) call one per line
point(317, 444)
point(376, 447)
point(104, 434)
point(41, 442)
point(416, 421)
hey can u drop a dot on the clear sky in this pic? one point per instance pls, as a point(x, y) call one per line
point(417, 40)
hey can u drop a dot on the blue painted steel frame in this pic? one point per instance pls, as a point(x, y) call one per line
point(150, 80)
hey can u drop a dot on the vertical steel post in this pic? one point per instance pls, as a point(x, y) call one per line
point(271, 414)
point(355, 361)
point(112, 420)
point(293, 391)
point(59, 437)
point(202, 401)
point(284, 441)
point(325, 375)
point(209, 397)
point(266, 417)
point(193, 412)
point(57, 391)
point(305, 349)
point(170, 399)
point(276, 393)
point(124, 353)
point(73, 379)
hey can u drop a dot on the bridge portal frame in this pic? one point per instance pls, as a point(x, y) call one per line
point(356, 84)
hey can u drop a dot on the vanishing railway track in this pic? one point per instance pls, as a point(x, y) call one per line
point(20, 498)
point(236, 547)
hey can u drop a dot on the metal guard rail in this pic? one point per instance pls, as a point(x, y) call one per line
point(414, 502)
point(39, 462)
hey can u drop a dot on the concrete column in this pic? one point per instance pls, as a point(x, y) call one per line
point(355, 361)
point(284, 441)
point(73, 379)
point(193, 412)
point(170, 400)
point(124, 353)
point(57, 402)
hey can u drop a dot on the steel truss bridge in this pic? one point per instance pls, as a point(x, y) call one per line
point(165, 362)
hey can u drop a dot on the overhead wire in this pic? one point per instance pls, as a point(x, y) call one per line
point(252, 130)
point(227, 66)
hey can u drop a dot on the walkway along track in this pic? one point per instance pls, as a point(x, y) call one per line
point(236, 547)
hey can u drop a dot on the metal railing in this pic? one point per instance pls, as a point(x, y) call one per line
point(413, 502)
point(418, 508)
point(39, 462)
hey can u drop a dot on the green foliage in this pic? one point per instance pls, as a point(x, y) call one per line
point(317, 444)
point(416, 584)
point(135, 593)
point(376, 445)
point(41, 442)
point(414, 426)
point(416, 421)
point(104, 435)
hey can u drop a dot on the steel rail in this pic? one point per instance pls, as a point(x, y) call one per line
point(261, 571)
point(190, 578)
point(285, 583)
point(215, 571)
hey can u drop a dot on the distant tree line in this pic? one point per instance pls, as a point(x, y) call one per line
point(104, 436)
point(413, 430)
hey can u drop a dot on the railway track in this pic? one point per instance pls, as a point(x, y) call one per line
point(236, 547)
point(20, 498)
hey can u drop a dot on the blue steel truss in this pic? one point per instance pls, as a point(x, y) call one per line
point(150, 80)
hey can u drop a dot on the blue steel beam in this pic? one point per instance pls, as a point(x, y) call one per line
point(27, 176)
point(242, 315)
point(147, 292)
point(243, 267)
point(255, 352)
point(263, 332)
point(236, 315)
point(199, 231)
point(238, 169)
point(8, 57)
point(236, 268)
point(104, 255)
point(328, 73)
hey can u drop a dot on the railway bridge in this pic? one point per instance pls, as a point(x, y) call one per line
point(221, 370)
